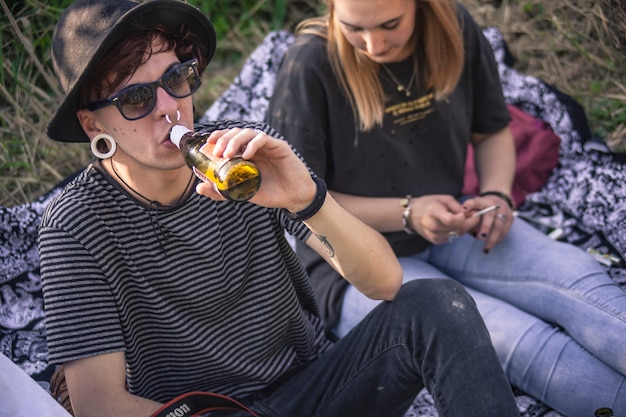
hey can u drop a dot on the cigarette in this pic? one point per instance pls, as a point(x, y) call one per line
point(485, 210)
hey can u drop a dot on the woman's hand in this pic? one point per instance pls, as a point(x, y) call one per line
point(440, 218)
point(285, 180)
point(493, 226)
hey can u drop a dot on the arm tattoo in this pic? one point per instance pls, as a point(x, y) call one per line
point(327, 245)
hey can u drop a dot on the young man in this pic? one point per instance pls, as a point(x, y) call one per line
point(153, 290)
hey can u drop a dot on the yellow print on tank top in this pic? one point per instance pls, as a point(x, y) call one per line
point(411, 111)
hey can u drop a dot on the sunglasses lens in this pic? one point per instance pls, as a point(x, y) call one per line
point(181, 81)
point(137, 102)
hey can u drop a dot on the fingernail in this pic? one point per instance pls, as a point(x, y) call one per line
point(486, 251)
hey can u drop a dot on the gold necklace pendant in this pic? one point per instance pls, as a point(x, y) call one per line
point(399, 87)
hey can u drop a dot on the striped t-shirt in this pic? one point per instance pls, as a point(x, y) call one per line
point(203, 296)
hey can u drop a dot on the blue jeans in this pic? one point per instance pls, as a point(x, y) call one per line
point(556, 319)
point(378, 368)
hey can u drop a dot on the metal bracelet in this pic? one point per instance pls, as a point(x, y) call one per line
point(406, 214)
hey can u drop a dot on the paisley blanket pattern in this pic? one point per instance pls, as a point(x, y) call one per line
point(22, 324)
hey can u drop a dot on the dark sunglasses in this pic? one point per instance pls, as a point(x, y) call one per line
point(138, 100)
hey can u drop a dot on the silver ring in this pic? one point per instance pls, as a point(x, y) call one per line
point(452, 235)
point(501, 216)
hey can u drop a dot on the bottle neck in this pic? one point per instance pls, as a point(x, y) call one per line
point(176, 134)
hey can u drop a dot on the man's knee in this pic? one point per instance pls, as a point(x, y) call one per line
point(445, 300)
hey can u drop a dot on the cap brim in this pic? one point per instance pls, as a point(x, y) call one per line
point(64, 125)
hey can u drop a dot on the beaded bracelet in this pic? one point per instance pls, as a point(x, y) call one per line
point(406, 214)
point(503, 196)
point(316, 204)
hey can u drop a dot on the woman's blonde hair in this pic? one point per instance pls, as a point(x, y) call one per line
point(437, 34)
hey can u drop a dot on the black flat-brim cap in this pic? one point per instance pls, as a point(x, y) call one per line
point(88, 29)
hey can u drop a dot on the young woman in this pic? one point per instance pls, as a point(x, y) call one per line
point(153, 290)
point(382, 99)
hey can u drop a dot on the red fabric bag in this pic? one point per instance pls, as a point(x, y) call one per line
point(537, 148)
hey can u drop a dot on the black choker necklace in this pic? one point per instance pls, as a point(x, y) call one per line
point(152, 202)
point(400, 88)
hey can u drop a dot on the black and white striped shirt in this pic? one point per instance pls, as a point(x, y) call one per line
point(203, 296)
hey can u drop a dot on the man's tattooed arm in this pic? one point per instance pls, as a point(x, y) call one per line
point(327, 245)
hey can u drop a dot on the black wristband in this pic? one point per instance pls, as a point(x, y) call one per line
point(316, 204)
point(503, 196)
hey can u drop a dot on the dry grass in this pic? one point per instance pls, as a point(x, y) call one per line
point(577, 45)
point(30, 163)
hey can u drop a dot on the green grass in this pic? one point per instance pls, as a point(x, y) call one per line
point(31, 164)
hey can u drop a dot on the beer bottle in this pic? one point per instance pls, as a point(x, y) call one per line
point(604, 412)
point(236, 179)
